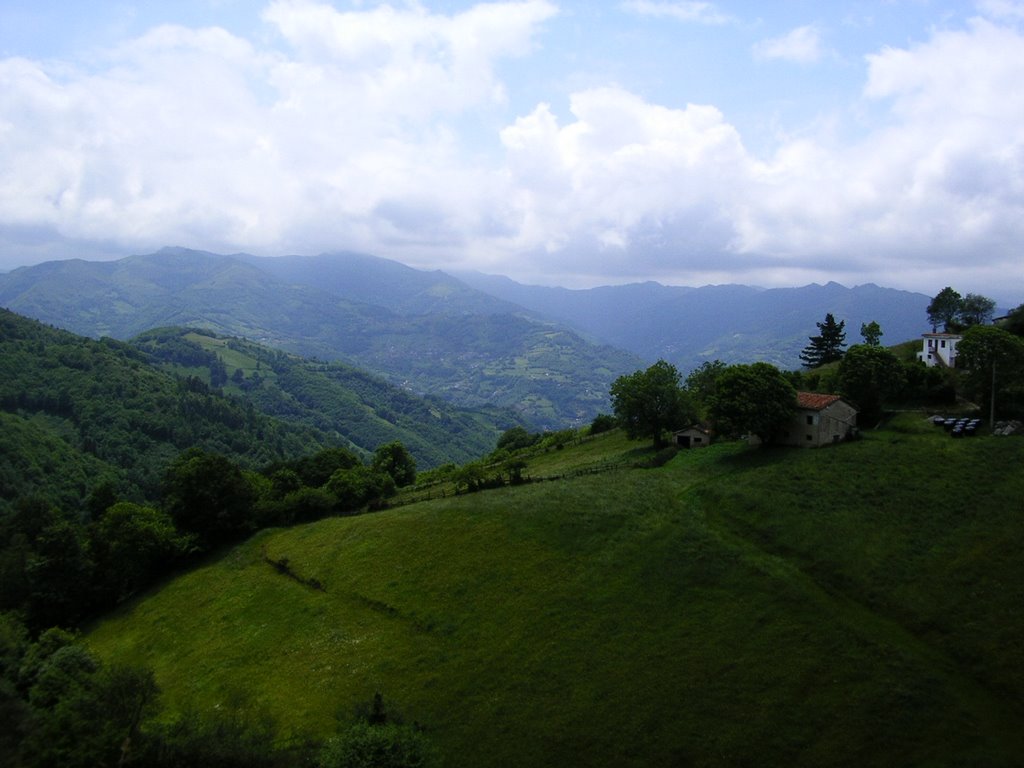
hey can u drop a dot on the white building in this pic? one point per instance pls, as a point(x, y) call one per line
point(939, 349)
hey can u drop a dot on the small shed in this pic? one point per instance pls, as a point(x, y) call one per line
point(820, 420)
point(694, 436)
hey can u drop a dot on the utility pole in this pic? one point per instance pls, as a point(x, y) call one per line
point(992, 398)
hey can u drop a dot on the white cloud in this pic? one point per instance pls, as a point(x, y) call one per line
point(939, 186)
point(801, 45)
point(1002, 9)
point(195, 136)
point(700, 12)
point(352, 133)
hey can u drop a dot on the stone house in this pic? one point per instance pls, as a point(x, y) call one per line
point(819, 420)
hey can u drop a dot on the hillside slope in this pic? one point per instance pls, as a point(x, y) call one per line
point(347, 404)
point(77, 412)
point(548, 374)
point(841, 607)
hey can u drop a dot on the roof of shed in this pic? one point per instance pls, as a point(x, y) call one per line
point(815, 401)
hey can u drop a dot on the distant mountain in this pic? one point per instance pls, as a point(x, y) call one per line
point(733, 323)
point(490, 356)
point(383, 283)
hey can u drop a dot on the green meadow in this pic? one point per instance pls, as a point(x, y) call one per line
point(860, 605)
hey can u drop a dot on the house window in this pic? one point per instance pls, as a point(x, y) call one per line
point(810, 420)
point(810, 437)
point(943, 343)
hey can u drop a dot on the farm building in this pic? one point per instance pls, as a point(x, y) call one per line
point(692, 437)
point(819, 420)
point(939, 349)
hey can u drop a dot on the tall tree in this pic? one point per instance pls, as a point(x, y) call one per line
point(207, 495)
point(827, 346)
point(869, 375)
point(1015, 321)
point(871, 333)
point(994, 360)
point(393, 459)
point(976, 310)
point(651, 401)
point(701, 381)
point(756, 398)
point(944, 309)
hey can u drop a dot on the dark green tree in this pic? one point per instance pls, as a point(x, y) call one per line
point(869, 375)
point(944, 309)
point(353, 488)
point(701, 382)
point(1015, 321)
point(132, 545)
point(317, 469)
point(650, 402)
point(756, 399)
point(871, 333)
point(994, 362)
point(207, 495)
point(976, 310)
point(393, 459)
point(827, 346)
point(385, 745)
point(517, 437)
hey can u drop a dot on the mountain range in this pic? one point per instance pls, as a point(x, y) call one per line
point(550, 354)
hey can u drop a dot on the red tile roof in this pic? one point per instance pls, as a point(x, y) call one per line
point(814, 401)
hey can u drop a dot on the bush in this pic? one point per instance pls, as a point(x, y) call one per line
point(377, 746)
point(603, 422)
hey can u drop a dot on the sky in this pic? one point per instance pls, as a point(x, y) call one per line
point(560, 143)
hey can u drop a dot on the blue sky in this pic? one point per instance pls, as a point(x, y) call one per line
point(563, 143)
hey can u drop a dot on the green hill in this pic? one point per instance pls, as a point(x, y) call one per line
point(474, 358)
point(345, 403)
point(77, 412)
point(853, 606)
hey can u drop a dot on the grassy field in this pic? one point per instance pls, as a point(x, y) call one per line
point(853, 606)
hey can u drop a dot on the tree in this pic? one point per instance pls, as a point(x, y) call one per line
point(869, 375)
point(368, 745)
point(1015, 321)
point(514, 438)
point(207, 494)
point(755, 398)
point(651, 401)
point(871, 333)
point(133, 544)
point(827, 346)
point(393, 459)
point(976, 310)
point(991, 355)
point(358, 486)
point(944, 309)
point(603, 422)
point(701, 381)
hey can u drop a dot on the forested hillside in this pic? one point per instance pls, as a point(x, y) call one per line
point(343, 402)
point(473, 357)
point(79, 413)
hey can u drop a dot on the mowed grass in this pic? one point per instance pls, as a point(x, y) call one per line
point(853, 606)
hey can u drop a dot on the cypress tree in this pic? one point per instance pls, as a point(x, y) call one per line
point(827, 346)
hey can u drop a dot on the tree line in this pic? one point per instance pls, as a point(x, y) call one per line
point(759, 399)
